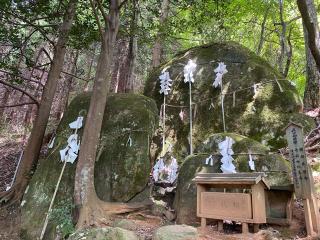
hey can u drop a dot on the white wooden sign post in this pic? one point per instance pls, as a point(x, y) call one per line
point(302, 177)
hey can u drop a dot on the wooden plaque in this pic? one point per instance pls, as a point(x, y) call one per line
point(233, 206)
point(302, 177)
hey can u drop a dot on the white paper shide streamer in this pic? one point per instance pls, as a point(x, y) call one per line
point(251, 162)
point(166, 172)
point(70, 152)
point(165, 82)
point(209, 160)
point(220, 71)
point(165, 87)
point(188, 71)
point(226, 151)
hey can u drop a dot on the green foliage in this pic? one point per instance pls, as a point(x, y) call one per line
point(62, 217)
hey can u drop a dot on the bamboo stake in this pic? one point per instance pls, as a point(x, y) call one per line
point(52, 200)
point(222, 107)
point(54, 196)
point(190, 106)
point(164, 123)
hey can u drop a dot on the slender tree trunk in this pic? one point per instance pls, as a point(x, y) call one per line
point(86, 87)
point(131, 57)
point(89, 208)
point(4, 101)
point(33, 147)
point(67, 84)
point(157, 48)
point(85, 194)
point(282, 36)
point(262, 32)
point(120, 66)
point(288, 54)
point(312, 90)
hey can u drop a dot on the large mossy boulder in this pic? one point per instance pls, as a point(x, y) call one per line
point(121, 171)
point(276, 168)
point(260, 114)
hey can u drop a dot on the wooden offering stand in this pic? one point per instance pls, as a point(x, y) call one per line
point(243, 207)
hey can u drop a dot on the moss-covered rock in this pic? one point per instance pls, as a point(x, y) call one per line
point(276, 168)
point(122, 166)
point(103, 234)
point(121, 170)
point(260, 116)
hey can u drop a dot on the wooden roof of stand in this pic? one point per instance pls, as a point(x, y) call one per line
point(232, 178)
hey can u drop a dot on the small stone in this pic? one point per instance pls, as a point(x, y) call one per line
point(125, 224)
point(176, 232)
point(115, 233)
point(268, 234)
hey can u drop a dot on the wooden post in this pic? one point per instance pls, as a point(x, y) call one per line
point(302, 177)
point(220, 226)
point(245, 228)
point(256, 227)
point(258, 203)
point(203, 223)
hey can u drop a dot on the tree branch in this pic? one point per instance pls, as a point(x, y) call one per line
point(105, 17)
point(20, 90)
point(95, 13)
point(16, 75)
point(17, 105)
point(122, 4)
point(30, 23)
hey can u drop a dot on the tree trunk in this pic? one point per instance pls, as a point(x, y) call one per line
point(312, 90)
point(157, 48)
point(67, 84)
point(120, 67)
point(131, 57)
point(288, 54)
point(89, 208)
point(85, 194)
point(307, 10)
point(282, 36)
point(33, 147)
point(263, 29)
point(4, 100)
